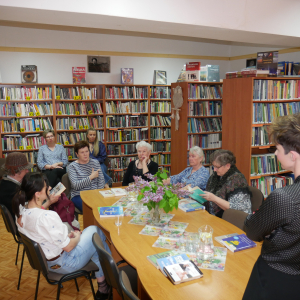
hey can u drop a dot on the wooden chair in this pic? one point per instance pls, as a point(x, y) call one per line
point(38, 262)
point(110, 268)
point(235, 217)
point(12, 228)
point(257, 198)
point(128, 294)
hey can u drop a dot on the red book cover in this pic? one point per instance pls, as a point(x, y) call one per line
point(193, 66)
point(78, 74)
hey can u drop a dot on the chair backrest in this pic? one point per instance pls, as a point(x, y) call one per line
point(109, 267)
point(8, 220)
point(35, 255)
point(2, 161)
point(66, 182)
point(257, 198)
point(128, 294)
point(235, 217)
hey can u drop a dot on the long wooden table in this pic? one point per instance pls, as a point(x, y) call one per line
point(134, 248)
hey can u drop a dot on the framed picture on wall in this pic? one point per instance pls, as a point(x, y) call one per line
point(251, 63)
point(160, 77)
point(98, 64)
point(126, 75)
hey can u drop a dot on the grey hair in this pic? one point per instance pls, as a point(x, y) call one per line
point(223, 157)
point(48, 131)
point(197, 150)
point(143, 144)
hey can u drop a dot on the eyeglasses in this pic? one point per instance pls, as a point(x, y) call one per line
point(216, 168)
point(50, 137)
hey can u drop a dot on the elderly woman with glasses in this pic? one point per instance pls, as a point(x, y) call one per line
point(52, 159)
point(196, 174)
point(227, 187)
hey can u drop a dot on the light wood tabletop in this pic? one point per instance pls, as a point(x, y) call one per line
point(134, 248)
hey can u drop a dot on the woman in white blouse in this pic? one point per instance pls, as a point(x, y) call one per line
point(64, 252)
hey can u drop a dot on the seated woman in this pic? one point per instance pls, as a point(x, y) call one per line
point(143, 165)
point(227, 187)
point(45, 227)
point(84, 173)
point(52, 159)
point(196, 174)
point(98, 151)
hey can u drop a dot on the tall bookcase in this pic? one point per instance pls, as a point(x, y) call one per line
point(202, 105)
point(26, 110)
point(250, 105)
point(121, 114)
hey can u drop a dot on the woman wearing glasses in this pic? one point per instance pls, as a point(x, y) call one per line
point(195, 175)
point(227, 187)
point(52, 159)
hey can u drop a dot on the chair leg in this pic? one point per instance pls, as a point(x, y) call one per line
point(58, 290)
point(76, 285)
point(37, 285)
point(17, 254)
point(92, 287)
point(21, 269)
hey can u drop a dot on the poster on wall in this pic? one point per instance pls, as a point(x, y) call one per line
point(126, 75)
point(160, 77)
point(98, 64)
point(29, 74)
point(78, 74)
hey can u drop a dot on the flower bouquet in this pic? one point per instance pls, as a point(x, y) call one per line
point(155, 195)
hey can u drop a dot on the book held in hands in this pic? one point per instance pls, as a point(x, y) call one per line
point(57, 190)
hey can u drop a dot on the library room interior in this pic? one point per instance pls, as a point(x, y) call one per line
point(150, 150)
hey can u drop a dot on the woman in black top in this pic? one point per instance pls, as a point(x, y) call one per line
point(276, 274)
point(143, 165)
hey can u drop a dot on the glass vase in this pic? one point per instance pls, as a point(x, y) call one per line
point(155, 215)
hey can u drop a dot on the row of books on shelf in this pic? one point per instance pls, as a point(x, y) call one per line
point(25, 110)
point(75, 93)
point(131, 148)
point(267, 112)
point(127, 135)
point(17, 142)
point(126, 121)
point(213, 140)
point(162, 159)
point(72, 138)
point(79, 123)
point(160, 92)
point(162, 106)
point(119, 162)
point(25, 125)
point(118, 107)
point(205, 91)
point(205, 108)
point(204, 125)
point(126, 92)
point(116, 176)
point(207, 155)
point(276, 89)
point(260, 136)
point(25, 93)
point(265, 164)
point(159, 120)
point(268, 184)
point(80, 108)
point(160, 133)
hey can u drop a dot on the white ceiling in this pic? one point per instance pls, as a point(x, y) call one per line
point(266, 22)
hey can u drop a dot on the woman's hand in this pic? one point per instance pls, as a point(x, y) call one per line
point(94, 174)
point(209, 196)
point(167, 181)
point(145, 159)
point(56, 166)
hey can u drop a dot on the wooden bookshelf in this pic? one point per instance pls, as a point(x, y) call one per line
point(179, 142)
point(238, 117)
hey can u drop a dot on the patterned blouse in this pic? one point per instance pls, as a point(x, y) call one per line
point(198, 178)
point(277, 224)
point(49, 157)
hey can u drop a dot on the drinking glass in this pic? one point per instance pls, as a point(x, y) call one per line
point(182, 243)
point(132, 196)
point(206, 247)
point(118, 220)
point(191, 242)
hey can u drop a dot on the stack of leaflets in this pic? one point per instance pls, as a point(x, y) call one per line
point(188, 205)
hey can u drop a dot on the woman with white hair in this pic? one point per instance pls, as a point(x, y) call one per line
point(143, 165)
point(196, 174)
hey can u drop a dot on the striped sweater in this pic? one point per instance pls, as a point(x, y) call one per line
point(79, 177)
